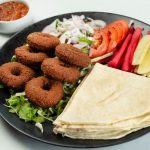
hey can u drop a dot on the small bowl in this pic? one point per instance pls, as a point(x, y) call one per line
point(8, 27)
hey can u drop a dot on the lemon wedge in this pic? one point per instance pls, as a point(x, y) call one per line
point(141, 50)
point(144, 66)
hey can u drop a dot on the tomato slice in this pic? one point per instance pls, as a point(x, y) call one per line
point(113, 36)
point(119, 31)
point(122, 28)
point(108, 38)
point(114, 31)
point(100, 46)
point(97, 33)
point(124, 25)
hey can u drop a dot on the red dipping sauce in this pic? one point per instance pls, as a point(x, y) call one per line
point(12, 11)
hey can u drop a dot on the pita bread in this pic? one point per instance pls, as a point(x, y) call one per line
point(108, 100)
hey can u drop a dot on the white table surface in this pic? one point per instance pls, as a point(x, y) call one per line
point(10, 139)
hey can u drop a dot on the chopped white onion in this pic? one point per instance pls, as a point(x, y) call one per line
point(39, 126)
point(81, 45)
point(70, 30)
point(102, 57)
point(20, 94)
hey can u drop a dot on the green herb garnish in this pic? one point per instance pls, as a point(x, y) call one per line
point(85, 40)
point(13, 59)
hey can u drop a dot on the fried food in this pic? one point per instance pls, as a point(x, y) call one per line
point(27, 56)
point(72, 55)
point(44, 92)
point(57, 69)
point(15, 75)
point(42, 41)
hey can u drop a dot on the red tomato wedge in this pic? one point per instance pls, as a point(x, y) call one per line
point(109, 37)
point(97, 34)
point(124, 25)
point(113, 36)
point(119, 30)
point(116, 31)
point(100, 46)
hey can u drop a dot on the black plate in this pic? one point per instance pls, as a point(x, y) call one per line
point(48, 136)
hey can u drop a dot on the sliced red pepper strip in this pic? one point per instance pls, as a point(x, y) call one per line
point(127, 64)
point(117, 61)
point(131, 29)
point(137, 36)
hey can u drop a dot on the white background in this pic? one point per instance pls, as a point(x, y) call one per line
point(10, 139)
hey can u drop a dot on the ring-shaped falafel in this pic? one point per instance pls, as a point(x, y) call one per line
point(72, 55)
point(57, 69)
point(15, 75)
point(42, 41)
point(44, 92)
point(27, 56)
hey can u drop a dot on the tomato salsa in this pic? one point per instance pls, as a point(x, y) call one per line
point(12, 11)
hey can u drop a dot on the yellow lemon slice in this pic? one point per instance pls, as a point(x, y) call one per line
point(141, 50)
point(144, 66)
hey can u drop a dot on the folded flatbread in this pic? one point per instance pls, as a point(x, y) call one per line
point(109, 103)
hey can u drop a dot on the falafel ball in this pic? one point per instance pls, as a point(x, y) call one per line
point(15, 75)
point(57, 69)
point(44, 92)
point(72, 55)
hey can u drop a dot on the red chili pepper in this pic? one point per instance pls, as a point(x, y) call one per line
point(127, 64)
point(116, 62)
point(132, 29)
point(137, 36)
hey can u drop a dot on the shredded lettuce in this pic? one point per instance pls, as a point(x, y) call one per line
point(85, 50)
point(23, 108)
point(20, 105)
